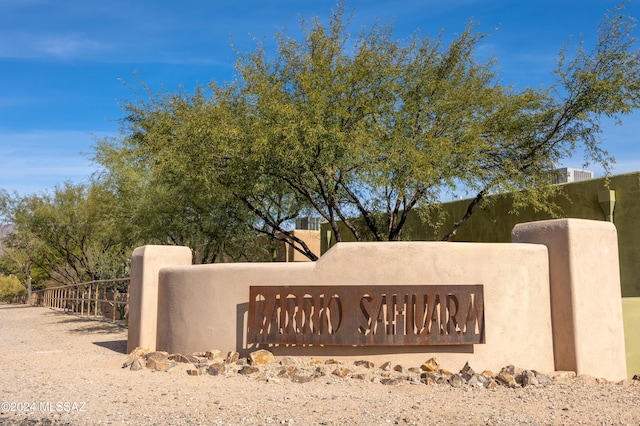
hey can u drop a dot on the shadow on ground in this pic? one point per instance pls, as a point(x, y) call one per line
point(119, 346)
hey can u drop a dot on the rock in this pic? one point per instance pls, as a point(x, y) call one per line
point(415, 370)
point(456, 381)
point(332, 361)
point(213, 354)
point(158, 361)
point(386, 366)
point(509, 369)
point(157, 355)
point(400, 369)
point(135, 354)
point(261, 357)
point(506, 379)
point(294, 374)
point(248, 370)
point(136, 365)
point(491, 384)
point(563, 375)
point(232, 358)
point(342, 372)
point(528, 378)
point(289, 371)
point(289, 360)
point(200, 363)
point(467, 372)
point(365, 364)
point(428, 380)
point(180, 358)
point(543, 379)
point(430, 365)
point(216, 368)
point(476, 381)
point(391, 381)
point(197, 371)
point(358, 376)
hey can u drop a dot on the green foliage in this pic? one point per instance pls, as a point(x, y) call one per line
point(67, 236)
point(9, 286)
point(368, 127)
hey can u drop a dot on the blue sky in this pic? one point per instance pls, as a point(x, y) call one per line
point(63, 62)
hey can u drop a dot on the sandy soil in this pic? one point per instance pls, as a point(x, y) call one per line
point(58, 369)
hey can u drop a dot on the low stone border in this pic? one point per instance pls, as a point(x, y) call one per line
point(262, 365)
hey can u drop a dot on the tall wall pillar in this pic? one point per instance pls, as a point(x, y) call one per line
point(586, 300)
point(146, 263)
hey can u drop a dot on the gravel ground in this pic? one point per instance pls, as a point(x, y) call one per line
point(58, 369)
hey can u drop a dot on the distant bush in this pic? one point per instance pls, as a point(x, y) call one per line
point(8, 287)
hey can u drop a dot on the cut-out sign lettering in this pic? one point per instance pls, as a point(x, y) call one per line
point(367, 315)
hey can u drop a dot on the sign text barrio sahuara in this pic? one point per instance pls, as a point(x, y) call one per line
point(367, 315)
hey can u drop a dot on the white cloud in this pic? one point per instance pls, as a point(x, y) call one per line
point(68, 45)
point(20, 45)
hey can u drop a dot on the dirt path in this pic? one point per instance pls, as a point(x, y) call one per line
point(59, 369)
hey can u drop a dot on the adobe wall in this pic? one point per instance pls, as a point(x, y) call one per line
point(204, 307)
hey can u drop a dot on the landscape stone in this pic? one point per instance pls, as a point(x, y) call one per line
point(137, 353)
point(467, 372)
point(386, 366)
point(491, 384)
point(430, 365)
point(261, 357)
point(232, 357)
point(476, 381)
point(289, 360)
point(528, 378)
point(391, 381)
point(213, 354)
point(506, 379)
point(543, 379)
point(456, 381)
point(216, 368)
point(289, 371)
point(136, 365)
point(158, 364)
point(399, 369)
point(179, 358)
point(248, 370)
point(342, 372)
point(365, 364)
point(197, 372)
point(200, 363)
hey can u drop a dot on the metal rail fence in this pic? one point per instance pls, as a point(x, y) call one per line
point(102, 299)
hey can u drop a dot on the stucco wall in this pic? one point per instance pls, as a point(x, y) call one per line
point(550, 302)
point(205, 306)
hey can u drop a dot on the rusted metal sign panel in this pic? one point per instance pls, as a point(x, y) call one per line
point(367, 315)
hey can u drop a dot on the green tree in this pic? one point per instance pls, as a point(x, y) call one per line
point(9, 286)
point(69, 234)
point(372, 128)
point(163, 197)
